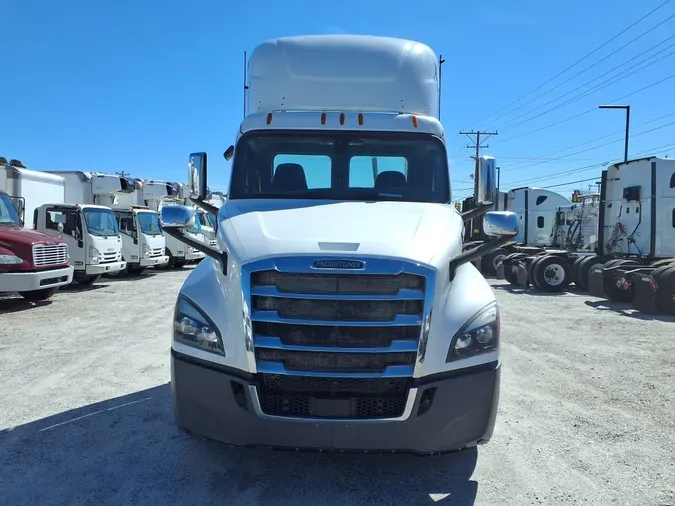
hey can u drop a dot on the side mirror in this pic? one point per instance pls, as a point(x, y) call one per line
point(229, 153)
point(486, 181)
point(197, 176)
point(59, 227)
point(175, 219)
point(500, 224)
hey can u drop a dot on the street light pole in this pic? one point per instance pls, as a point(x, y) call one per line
point(627, 108)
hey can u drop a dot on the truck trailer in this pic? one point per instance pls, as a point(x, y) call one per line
point(338, 311)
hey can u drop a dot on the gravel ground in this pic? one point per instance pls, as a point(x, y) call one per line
point(587, 414)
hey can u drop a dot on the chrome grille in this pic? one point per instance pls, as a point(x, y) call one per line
point(49, 254)
point(331, 345)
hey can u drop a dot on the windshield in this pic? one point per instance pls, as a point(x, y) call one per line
point(341, 166)
point(8, 214)
point(149, 223)
point(100, 221)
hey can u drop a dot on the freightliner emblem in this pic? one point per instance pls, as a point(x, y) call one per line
point(338, 264)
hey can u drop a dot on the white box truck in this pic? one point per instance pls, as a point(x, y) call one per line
point(339, 311)
point(143, 242)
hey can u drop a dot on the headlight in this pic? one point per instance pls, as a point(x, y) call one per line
point(479, 334)
point(10, 260)
point(93, 255)
point(192, 327)
point(146, 250)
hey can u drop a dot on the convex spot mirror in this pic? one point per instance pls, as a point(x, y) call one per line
point(500, 223)
point(177, 217)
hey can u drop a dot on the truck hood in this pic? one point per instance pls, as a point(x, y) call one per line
point(11, 235)
point(421, 232)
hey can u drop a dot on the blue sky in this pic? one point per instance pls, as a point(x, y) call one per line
point(138, 85)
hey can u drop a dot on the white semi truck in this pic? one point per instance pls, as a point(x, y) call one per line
point(153, 195)
point(339, 311)
point(634, 259)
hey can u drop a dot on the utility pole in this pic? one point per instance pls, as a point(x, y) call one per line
point(477, 146)
point(441, 61)
point(122, 173)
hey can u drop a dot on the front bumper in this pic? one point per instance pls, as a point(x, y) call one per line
point(207, 402)
point(39, 280)
point(194, 255)
point(97, 269)
point(152, 261)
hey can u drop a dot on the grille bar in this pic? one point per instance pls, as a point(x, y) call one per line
point(393, 371)
point(49, 254)
point(273, 317)
point(276, 344)
point(273, 291)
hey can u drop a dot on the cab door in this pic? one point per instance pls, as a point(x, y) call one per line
point(70, 219)
point(127, 226)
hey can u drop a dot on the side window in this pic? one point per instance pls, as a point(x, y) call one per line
point(126, 224)
point(297, 172)
point(673, 218)
point(67, 219)
point(35, 218)
point(364, 170)
point(541, 199)
point(540, 222)
point(672, 180)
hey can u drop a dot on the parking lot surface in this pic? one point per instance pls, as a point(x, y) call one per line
point(587, 413)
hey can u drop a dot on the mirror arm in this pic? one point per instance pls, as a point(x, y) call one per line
point(474, 213)
point(472, 254)
point(213, 210)
point(216, 254)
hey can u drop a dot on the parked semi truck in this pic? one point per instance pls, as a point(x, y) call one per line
point(635, 241)
point(32, 264)
point(339, 311)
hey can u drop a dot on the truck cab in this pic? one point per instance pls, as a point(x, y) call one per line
point(143, 242)
point(92, 235)
point(339, 311)
point(31, 263)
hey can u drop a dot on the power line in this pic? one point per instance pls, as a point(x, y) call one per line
point(579, 61)
point(622, 131)
point(587, 111)
point(597, 87)
point(477, 146)
point(606, 83)
point(594, 65)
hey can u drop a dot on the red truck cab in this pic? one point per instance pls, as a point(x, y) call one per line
point(31, 263)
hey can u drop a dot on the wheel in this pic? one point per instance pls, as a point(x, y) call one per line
point(582, 278)
point(85, 280)
point(508, 275)
point(552, 274)
point(135, 270)
point(664, 277)
point(180, 264)
point(615, 293)
point(530, 272)
point(575, 270)
point(38, 295)
point(491, 261)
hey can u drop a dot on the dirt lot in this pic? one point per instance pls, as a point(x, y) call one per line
point(587, 414)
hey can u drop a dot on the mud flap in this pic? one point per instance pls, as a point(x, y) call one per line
point(644, 293)
point(500, 271)
point(521, 275)
point(596, 286)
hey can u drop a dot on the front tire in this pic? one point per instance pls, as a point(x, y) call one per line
point(85, 280)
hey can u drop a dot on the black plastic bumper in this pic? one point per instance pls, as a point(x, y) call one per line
point(217, 404)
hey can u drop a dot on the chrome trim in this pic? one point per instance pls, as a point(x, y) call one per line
point(393, 371)
point(409, 405)
point(401, 320)
point(275, 343)
point(271, 291)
